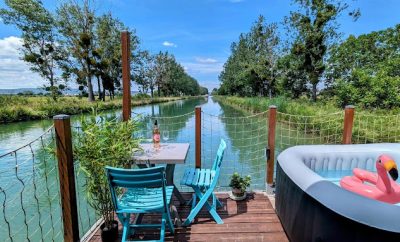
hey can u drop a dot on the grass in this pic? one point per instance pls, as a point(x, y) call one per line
point(324, 119)
point(20, 108)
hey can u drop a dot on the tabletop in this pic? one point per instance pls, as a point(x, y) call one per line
point(167, 153)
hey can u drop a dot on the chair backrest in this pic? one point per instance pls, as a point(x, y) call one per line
point(220, 155)
point(135, 178)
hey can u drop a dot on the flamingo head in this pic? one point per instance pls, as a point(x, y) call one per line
point(386, 162)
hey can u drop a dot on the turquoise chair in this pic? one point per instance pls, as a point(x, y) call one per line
point(203, 182)
point(140, 191)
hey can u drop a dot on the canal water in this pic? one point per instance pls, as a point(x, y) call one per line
point(28, 180)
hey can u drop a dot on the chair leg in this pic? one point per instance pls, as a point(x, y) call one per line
point(219, 203)
point(169, 222)
point(126, 228)
point(203, 201)
point(211, 209)
point(162, 229)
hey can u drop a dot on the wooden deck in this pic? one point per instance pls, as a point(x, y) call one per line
point(251, 220)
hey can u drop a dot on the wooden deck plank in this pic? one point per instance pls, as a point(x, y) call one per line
point(250, 220)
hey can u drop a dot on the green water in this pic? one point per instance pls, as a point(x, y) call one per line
point(29, 196)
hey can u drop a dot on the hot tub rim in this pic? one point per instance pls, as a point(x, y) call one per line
point(381, 215)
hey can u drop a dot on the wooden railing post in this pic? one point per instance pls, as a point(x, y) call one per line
point(271, 145)
point(198, 136)
point(126, 73)
point(348, 124)
point(66, 174)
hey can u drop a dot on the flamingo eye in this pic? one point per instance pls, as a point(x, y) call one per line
point(379, 161)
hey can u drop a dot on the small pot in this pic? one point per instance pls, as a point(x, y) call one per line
point(107, 234)
point(238, 194)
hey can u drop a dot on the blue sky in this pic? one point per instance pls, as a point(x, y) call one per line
point(198, 33)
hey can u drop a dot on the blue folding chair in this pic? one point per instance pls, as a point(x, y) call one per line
point(203, 182)
point(140, 191)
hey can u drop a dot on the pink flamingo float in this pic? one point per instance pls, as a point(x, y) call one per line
point(376, 186)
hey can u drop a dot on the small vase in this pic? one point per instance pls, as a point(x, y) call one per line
point(238, 194)
point(109, 235)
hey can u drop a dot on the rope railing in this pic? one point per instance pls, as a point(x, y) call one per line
point(300, 130)
point(30, 199)
point(369, 128)
point(29, 192)
point(246, 138)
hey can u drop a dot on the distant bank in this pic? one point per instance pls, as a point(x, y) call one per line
point(41, 91)
point(16, 108)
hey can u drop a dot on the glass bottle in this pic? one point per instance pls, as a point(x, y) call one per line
point(156, 135)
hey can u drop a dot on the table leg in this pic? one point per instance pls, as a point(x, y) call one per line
point(169, 170)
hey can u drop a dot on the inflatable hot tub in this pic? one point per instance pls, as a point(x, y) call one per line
point(313, 207)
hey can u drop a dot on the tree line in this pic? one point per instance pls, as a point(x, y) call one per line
point(75, 45)
point(311, 59)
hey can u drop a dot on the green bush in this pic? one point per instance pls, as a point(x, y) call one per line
point(103, 142)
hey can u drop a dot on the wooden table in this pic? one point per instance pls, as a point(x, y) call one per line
point(169, 154)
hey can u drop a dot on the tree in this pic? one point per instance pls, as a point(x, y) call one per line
point(314, 27)
point(203, 91)
point(77, 23)
point(292, 80)
point(365, 70)
point(107, 53)
point(162, 71)
point(251, 68)
point(144, 75)
point(40, 47)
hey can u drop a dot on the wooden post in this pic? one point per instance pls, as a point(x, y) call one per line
point(271, 144)
point(198, 136)
point(66, 174)
point(126, 73)
point(348, 124)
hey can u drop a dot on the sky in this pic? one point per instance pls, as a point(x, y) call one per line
point(198, 32)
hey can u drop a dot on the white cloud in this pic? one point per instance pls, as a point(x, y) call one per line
point(14, 72)
point(169, 44)
point(206, 60)
point(202, 68)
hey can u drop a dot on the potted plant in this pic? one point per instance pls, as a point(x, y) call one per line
point(104, 142)
point(239, 185)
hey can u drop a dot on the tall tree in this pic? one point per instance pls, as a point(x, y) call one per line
point(314, 28)
point(160, 70)
point(292, 80)
point(144, 75)
point(107, 44)
point(251, 68)
point(40, 47)
point(77, 23)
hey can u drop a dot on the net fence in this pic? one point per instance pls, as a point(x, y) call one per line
point(246, 138)
point(173, 129)
point(373, 128)
point(294, 130)
point(29, 192)
point(30, 207)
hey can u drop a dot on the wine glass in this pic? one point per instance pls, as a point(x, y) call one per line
point(149, 136)
point(165, 135)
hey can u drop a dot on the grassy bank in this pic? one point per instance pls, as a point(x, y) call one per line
point(284, 105)
point(324, 120)
point(21, 108)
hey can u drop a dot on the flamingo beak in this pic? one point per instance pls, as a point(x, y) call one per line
point(391, 167)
